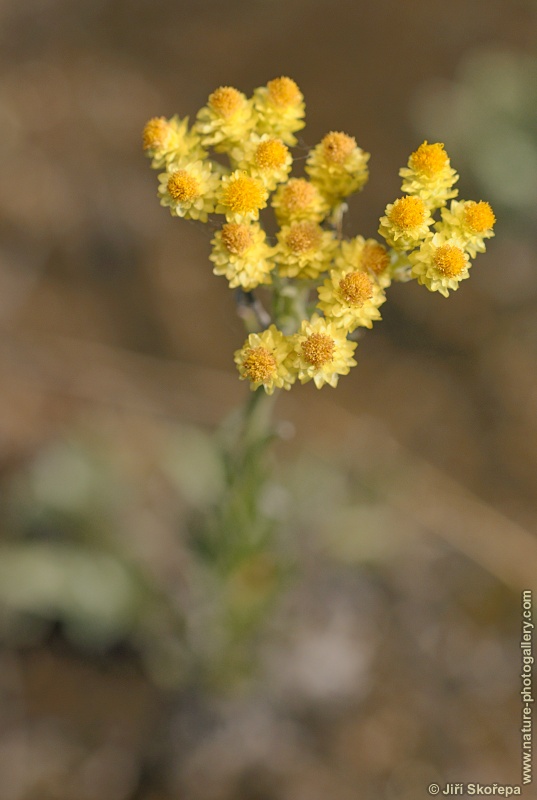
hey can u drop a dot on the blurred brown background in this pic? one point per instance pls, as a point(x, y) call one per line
point(404, 501)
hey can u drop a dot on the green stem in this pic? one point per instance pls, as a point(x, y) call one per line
point(236, 528)
point(257, 417)
point(236, 541)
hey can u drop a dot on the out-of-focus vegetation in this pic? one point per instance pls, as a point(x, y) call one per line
point(363, 641)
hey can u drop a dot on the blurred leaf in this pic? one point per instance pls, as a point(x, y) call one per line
point(193, 463)
point(91, 593)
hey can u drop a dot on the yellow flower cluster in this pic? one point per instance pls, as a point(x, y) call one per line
point(320, 287)
point(435, 252)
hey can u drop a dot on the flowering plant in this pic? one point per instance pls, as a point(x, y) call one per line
point(304, 290)
point(321, 287)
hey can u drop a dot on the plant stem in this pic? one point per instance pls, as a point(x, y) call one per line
point(236, 528)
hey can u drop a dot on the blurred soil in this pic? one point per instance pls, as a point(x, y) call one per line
point(381, 671)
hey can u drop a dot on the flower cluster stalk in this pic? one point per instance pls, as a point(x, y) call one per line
point(236, 529)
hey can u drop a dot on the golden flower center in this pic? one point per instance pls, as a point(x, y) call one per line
point(183, 187)
point(237, 238)
point(375, 257)
point(284, 92)
point(298, 195)
point(226, 101)
point(337, 147)
point(479, 216)
point(156, 134)
point(259, 364)
point(303, 237)
point(244, 194)
point(429, 159)
point(449, 260)
point(318, 349)
point(271, 154)
point(355, 288)
point(408, 213)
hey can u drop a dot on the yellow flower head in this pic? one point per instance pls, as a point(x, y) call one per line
point(280, 109)
point(183, 186)
point(429, 160)
point(355, 288)
point(479, 217)
point(449, 260)
point(241, 254)
point(298, 199)
point(470, 222)
point(189, 192)
point(303, 237)
point(429, 175)
point(405, 223)
point(264, 157)
point(157, 134)
point(351, 299)
point(241, 197)
point(226, 119)
point(271, 154)
point(407, 213)
point(338, 166)
point(237, 238)
point(366, 255)
point(226, 101)
point(337, 147)
point(284, 93)
point(304, 249)
point(170, 143)
point(440, 264)
point(264, 360)
point(322, 352)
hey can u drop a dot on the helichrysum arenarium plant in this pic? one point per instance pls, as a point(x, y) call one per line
point(304, 292)
point(321, 287)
